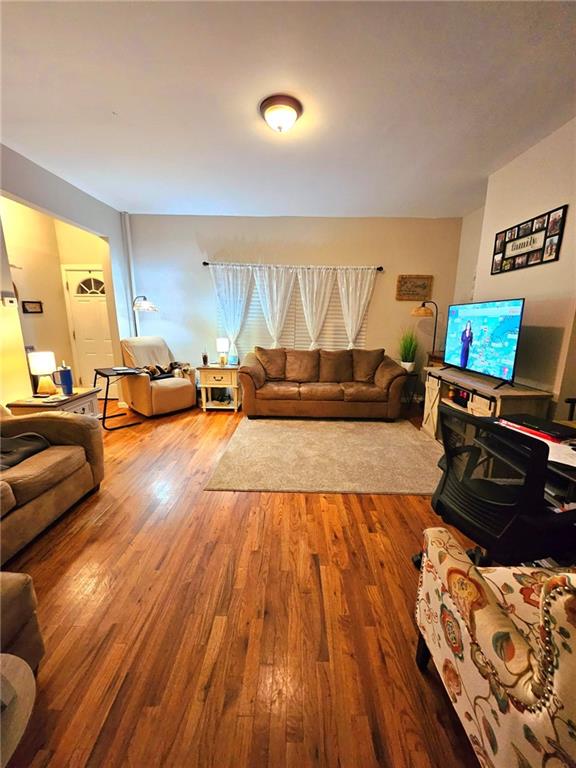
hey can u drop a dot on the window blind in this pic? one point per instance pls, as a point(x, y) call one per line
point(294, 334)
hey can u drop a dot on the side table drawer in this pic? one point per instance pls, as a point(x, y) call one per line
point(216, 379)
point(86, 408)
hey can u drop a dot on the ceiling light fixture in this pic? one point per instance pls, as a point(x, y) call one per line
point(281, 111)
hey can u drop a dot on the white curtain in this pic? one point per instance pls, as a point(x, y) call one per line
point(232, 286)
point(274, 284)
point(315, 291)
point(355, 286)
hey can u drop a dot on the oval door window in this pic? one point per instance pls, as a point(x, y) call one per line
point(92, 286)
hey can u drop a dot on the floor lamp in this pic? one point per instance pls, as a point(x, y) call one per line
point(424, 311)
point(142, 304)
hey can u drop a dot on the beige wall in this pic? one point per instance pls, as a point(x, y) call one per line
point(14, 376)
point(168, 252)
point(27, 182)
point(41, 245)
point(468, 256)
point(540, 179)
point(33, 250)
point(76, 246)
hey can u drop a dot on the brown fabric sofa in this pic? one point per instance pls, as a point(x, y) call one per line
point(353, 383)
point(42, 487)
point(20, 633)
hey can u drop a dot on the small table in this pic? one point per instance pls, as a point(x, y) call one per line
point(212, 376)
point(410, 387)
point(84, 401)
point(111, 374)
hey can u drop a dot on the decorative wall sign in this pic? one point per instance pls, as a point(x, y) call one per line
point(536, 241)
point(414, 287)
point(32, 307)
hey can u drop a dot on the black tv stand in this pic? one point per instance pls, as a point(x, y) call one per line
point(504, 383)
point(446, 367)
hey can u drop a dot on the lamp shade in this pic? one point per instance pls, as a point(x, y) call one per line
point(422, 311)
point(142, 304)
point(222, 344)
point(41, 363)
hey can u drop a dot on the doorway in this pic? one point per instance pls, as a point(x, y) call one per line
point(85, 290)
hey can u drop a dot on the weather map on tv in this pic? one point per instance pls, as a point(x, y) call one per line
point(483, 337)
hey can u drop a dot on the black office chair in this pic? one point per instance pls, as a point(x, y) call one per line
point(492, 489)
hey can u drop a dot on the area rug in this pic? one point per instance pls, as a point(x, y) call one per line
point(328, 457)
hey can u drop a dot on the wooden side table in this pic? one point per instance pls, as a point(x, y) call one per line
point(83, 401)
point(225, 376)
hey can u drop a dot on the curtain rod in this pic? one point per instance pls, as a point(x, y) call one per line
point(300, 266)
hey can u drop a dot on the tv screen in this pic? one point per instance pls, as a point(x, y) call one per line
point(483, 337)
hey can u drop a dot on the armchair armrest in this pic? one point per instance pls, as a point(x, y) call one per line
point(468, 605)
point(140, 393)
point(63, 428)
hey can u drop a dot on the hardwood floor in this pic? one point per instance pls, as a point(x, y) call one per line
point(190, 628)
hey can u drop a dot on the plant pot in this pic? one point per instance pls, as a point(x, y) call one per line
point(409, 367)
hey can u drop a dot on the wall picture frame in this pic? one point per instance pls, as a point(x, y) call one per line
point(32, 307)
point(414, 287)
point(530, 243)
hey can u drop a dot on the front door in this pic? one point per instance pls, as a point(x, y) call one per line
point(90, 328)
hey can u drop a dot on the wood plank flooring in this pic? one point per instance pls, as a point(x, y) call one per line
point(189, 628)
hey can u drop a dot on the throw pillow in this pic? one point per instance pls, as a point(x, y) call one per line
point(273, 361)
point(336, 366)
point(366, 361)
point(302, 365)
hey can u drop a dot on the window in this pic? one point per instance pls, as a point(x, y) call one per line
point(92, 286)
point(294, 334)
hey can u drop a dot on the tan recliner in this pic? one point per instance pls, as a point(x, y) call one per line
point(154, 397)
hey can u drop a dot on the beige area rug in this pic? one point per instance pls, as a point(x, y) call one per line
point(328, 457)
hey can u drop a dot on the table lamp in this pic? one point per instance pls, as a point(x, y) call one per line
point(222, 347)
point(43, 365)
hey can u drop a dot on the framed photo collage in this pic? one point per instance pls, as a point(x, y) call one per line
point(536, 241)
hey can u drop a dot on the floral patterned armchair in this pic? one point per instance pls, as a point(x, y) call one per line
point(503, 641)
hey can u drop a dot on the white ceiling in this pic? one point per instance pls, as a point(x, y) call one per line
point(152, 107)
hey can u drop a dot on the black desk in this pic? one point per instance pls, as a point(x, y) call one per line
point(111, 375)
point(560, 478)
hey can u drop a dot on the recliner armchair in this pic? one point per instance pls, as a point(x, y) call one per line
point(155, 397)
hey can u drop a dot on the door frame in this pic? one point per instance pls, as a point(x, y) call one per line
point(65, 268)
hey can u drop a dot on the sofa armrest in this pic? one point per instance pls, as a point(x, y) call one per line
point(64, 428)
point(387, 372)
point(253, 368)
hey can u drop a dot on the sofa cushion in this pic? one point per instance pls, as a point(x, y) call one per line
point(356, 391)
point(279, 390)
point(336, 366)
point(366, 361)
point(7, 500)
point(273, 361)
point(18, 604)
point(302, 365)
point(43, 471)
point(321, 390)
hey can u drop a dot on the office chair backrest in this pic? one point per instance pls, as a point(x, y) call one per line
point(492, 465)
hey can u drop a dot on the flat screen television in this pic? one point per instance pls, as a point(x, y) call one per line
point(483, 337)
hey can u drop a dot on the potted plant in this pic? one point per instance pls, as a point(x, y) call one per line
point(408, 347)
